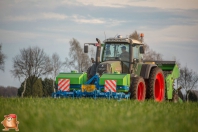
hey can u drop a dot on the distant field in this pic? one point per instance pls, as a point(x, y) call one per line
point(89, 115)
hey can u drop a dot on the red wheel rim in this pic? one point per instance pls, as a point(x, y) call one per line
point(159, 87)
point(140, 92)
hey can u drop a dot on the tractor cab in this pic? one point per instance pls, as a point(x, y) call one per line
point(119, 55)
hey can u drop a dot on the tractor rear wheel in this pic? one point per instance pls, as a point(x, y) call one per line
point(138, 88)
point(156, 85)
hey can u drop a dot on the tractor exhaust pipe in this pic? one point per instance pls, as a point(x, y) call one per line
point(98, 45)
point(98, 52)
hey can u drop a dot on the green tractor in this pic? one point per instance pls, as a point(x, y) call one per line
point(120, 71)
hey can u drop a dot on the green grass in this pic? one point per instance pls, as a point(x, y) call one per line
point(89, 115)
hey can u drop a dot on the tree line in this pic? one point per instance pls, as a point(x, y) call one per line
point(32, 63)
point(8, 91)
point(41, 88)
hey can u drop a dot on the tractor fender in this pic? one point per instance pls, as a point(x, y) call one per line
point(145, 70)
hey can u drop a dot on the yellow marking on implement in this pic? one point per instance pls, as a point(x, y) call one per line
point(88, 88)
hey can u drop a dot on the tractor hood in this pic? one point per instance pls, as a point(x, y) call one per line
point(109, 67)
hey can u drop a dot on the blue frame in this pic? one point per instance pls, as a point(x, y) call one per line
point(95, 94)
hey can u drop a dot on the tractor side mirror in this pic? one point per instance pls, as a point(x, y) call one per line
point(85, 48)
point(141, 50)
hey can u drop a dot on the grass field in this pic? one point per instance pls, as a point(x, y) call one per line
point(89, 115)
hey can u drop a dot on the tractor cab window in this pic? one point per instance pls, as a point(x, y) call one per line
point(136, 53)
point(115, 51)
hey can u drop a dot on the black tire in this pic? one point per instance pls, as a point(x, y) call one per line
point(156, 85)
point(138, 89)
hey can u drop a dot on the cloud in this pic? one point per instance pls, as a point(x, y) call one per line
point(56, 16)
point(175, 33)
point(90, 20)
point(39, 16)
point(32, 38)
point(16, 36)
point(163, 4)
point(168, 4)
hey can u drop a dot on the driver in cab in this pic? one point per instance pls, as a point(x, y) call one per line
point(124, 56)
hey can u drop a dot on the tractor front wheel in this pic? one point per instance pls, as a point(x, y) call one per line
point(156, 85)
point(138, 88)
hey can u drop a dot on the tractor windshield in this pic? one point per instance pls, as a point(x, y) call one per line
point(115, 51)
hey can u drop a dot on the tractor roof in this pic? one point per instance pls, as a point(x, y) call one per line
point(121, 40)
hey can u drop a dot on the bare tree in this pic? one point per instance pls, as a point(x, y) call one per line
point(92, 52)
point(2, 59)
point(77, 60)
point(31, 63)
point(135, 35)
point(188, 80)
point(149, 53)
point(56, 65)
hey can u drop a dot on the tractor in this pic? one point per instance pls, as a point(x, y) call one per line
point(119, 71)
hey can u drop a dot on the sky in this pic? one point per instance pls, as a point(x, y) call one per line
point(170, 27)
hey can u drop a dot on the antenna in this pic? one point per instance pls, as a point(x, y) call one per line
point(105, 34)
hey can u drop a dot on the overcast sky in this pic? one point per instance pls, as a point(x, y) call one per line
point(170, 26)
